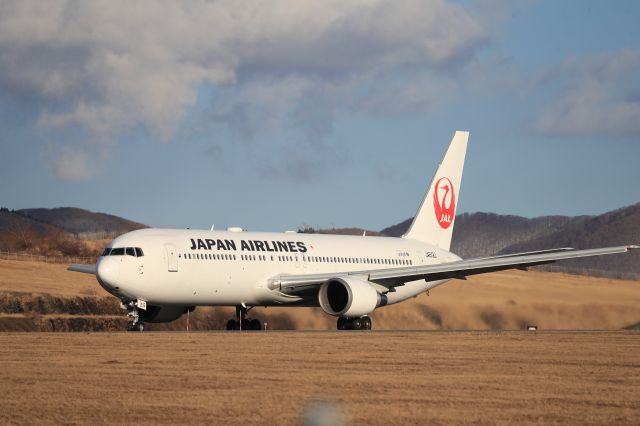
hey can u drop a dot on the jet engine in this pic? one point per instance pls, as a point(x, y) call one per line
point(163, 313)
point(349, 297)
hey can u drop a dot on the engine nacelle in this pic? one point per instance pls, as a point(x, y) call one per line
point(163, 313)
point(348, 297)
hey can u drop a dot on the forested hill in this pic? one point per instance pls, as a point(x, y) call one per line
point(485, 234)
point(82, 223)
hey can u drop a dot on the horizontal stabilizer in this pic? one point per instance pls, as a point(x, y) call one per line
point(85, 269)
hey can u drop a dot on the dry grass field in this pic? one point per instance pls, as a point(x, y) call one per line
point(505, 300)
point(380, 377)
point(372, 377)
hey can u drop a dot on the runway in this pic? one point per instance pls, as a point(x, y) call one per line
point(392, 377)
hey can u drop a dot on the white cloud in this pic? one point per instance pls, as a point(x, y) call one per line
point(69, 164)
point(596, 96)
point(102, 68)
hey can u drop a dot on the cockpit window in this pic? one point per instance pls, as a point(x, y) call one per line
point(121, 251)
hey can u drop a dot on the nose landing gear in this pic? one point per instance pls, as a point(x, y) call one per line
point(132, 312)
point(242, 322)
point(362, 323)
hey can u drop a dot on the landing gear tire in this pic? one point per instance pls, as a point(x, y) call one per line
point(362, 323)
point(366, 323)
point(255, 324)
point(241, 319)
point(356, 324)
point(137, 326)
point(342, 323)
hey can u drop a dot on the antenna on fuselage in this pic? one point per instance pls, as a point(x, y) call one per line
point(212, 226)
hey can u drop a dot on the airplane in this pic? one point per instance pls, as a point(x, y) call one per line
point(160, 274)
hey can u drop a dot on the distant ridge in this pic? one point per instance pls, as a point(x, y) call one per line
point(81, 223)
point(618, 227)
point(12, 222)
point(486, 234)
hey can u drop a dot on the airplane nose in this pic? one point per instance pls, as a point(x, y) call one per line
point(108, 272)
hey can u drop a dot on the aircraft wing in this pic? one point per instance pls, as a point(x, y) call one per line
point(87, 269)
point(393, 277)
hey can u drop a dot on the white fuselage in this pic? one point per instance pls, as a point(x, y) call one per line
point(223, 268)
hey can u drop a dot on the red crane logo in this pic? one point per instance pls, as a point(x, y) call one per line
point(444, 202)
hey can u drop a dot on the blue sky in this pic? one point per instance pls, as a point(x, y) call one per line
point(271, 115)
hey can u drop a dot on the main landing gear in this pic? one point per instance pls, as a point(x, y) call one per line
point(362, 323)
point(132, 312)
point(242, 320)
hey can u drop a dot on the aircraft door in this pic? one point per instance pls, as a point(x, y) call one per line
point(172, 257)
